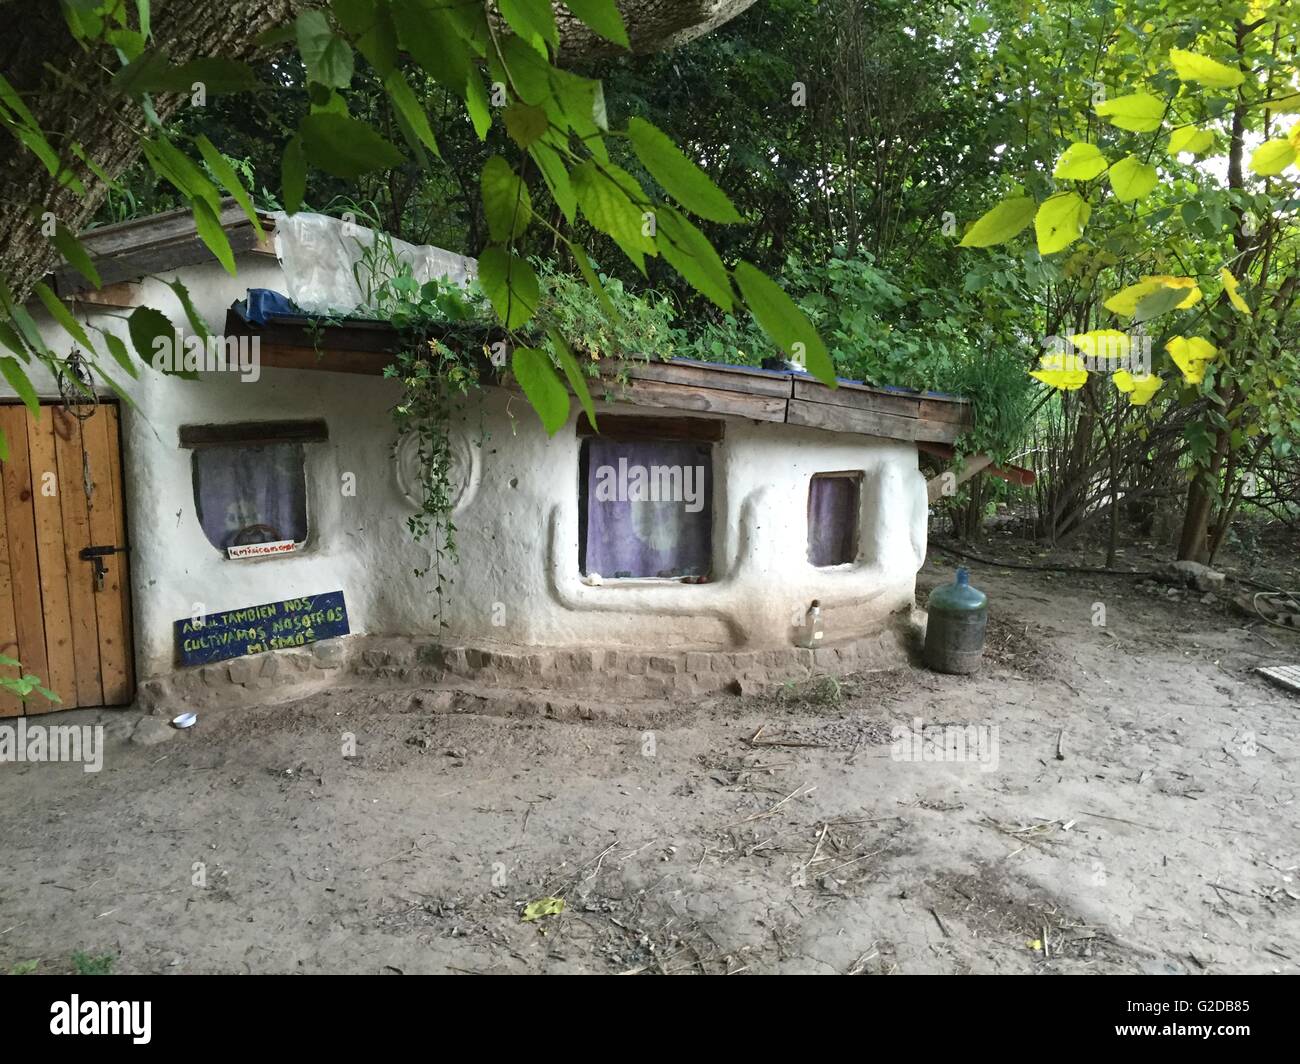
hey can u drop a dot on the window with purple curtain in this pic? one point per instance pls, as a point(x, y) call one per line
point(646, 508)
point(833, 505)
point(251, 493)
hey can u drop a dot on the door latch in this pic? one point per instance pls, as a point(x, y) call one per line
point(96, 556)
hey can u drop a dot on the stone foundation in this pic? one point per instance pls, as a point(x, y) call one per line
point(611, 675)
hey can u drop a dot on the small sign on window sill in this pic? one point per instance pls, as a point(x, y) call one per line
point(262, 550)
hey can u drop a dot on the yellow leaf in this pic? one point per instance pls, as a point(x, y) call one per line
point(535, 910)
point(1132, 179)
point(1125, 301)
point(1272, 157)
point(1080, 162)
point(1060, 221)
point(1232, 287)
point(1140, 112)
point(1103, 343)
point(1208, 72)
point(1193, 290)
point(1190, 354)
point(1286, 104)
point(1139, 389)
point(1189, 139)
point(1001, 223)
point(1294, 138)
point(1066, 372)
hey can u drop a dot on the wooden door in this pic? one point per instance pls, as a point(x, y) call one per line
point(65, 601)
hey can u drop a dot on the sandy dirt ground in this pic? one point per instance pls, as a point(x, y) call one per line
point(779, 833)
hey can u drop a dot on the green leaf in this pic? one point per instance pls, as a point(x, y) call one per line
point(505, 200)
point(71, 249)
point(1189, 139)
point(216, 75)
point(785, 324)
point(225, 174)
point(427, 34)
point(62, 315)
point(573, 372)
point(602, 17)
point(477, 106)
point(1208, 72)
point(556, 177)
point(510, 284)
point(1000, 224)
point(346, 147)
point(1060, 221)
point(612, 201)
point(537, 377)
point(1132, 179)
point(119, 352)
point(525, 123)
point(680, 177)
point(214, 236)
point(1272, 157)
point(408, 106)
point(13, 341)
point(293, 175)
point(689, 252)
point(531, 18)
point(13, 372)
point(593, 282)
point(1080, 162)
point(198, 323)
point(174, 166)
point(4, 454)
point(355, 16)
point(328, 56)
point(1161, 301)
point(145, 326)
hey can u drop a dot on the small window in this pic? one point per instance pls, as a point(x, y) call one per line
point(645, 507)
point(834, 500)
point(249, 493)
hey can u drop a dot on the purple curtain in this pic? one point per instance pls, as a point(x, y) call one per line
point(648, 508)
point(251, 494)
point(832, 520)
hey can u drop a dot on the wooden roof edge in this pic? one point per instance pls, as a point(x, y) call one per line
point(164, 241)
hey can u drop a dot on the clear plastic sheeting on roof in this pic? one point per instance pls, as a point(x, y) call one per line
point(331, 266)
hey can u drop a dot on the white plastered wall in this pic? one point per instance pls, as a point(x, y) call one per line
point(516, 580)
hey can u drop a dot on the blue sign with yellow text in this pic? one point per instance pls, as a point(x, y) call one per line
point(257, 629)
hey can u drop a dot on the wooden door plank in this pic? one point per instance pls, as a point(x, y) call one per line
point(53, 564)
point(100, 436)
point(114, 426)
point(81, 580)
point(10, 705)
point(20, 532)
